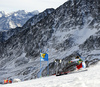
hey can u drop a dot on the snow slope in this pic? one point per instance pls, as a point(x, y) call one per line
point(90, 78)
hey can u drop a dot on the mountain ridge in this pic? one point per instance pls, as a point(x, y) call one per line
point(14, 19)
point(64, 32)
point(33, 20)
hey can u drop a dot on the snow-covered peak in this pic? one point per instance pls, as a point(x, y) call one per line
point(21, 12)
point(2, 13)
point(15, 19)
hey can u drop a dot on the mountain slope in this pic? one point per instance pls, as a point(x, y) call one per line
point(4, 35)
point(32, 21)
point(64, 32)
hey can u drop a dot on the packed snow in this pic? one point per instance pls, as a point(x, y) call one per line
point(90, 78)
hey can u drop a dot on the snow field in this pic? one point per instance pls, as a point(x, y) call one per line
point(90, 78)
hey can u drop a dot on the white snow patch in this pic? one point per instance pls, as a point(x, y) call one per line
point(0, 15)
point(83, 34)
point(95, 52)
point(11, 24)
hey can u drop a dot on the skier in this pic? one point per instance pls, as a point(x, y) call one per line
point(80, 63)
point(79, 66)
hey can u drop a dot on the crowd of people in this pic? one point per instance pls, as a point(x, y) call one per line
point(6, 81)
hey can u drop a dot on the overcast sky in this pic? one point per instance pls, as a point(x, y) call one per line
point(29, 5)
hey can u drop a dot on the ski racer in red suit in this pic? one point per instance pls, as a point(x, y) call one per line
point(80, 62)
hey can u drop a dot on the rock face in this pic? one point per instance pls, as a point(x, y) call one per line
point(32, 21)
point(70, 29)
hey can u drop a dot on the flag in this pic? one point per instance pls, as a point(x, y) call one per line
point(44, 56)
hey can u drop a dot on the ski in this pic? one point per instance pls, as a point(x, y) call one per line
point(69, 72)
point(61, 73)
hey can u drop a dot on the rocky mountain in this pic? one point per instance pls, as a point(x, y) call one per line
point(14, 19)
point(32, 21)
point(71, 29)
point(4, 35)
